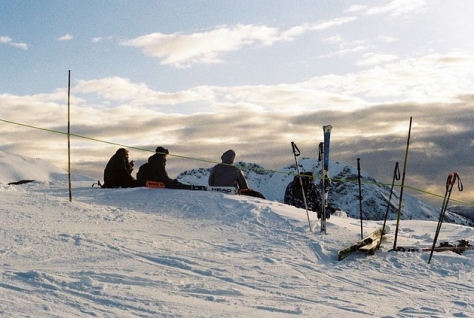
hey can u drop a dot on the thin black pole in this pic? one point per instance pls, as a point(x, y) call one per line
point(396, 176)
point(401, 190)
point(69, 133)
point(449, 187)
point(360, 200)
point(296, 153)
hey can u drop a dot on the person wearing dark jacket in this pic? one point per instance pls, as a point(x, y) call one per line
point(226, 174)
point(294, 194)
point(118, 171)
point(155, 170)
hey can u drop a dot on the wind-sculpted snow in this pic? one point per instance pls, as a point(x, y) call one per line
point(176, 253)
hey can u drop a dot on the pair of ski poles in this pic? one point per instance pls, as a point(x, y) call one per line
point(450, 182)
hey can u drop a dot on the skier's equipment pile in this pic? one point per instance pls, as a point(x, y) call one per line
point(367, 244)
point(445, 246)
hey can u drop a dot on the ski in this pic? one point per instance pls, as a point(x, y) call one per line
point(370, 249)
point(374, 237)
point(153, 184)
point(456, 249)
point(459, 248)
point(325, 168)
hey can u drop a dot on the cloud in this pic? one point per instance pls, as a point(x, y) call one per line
point(122, 89)
point(183, 50)
point(422, 79)
point(293, 32)
point(388, 78)
point(66, 37)
point(23, 46)
point(5, 39)
point(356, 8)
point(8, 40)
point(369, 111)
point(370, 59)
point(397, 7)
point(377, 135)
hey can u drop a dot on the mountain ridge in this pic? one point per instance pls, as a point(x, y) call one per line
point(344, 192)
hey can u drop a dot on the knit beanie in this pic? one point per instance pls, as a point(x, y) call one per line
point(228, 157)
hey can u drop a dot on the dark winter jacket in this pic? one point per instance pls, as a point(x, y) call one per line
point(155, 170)
point(294, 195)
point(225, 174)
point(118, 171)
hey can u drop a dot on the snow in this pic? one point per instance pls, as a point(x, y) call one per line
point(177, 253)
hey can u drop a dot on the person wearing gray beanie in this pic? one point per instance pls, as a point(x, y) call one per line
point(226, 174)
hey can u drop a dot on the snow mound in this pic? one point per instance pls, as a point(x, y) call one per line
point(14, 168)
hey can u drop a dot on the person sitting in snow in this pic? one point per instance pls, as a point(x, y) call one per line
point(226, 174)
point(294, 195)
point(155, 170)
point(118, 170)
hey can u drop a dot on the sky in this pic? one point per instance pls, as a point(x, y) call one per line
point(202, 77)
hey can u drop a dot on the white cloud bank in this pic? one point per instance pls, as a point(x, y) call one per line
point(183, 50)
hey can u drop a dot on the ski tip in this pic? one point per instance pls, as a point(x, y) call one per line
point(327, 128)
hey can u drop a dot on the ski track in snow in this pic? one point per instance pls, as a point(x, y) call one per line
point(175, 253)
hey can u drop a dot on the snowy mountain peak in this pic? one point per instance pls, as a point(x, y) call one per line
point(344, 193)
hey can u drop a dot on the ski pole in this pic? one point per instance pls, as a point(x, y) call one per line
point(296, 153)
point(360, 200)
point(449, 187)
point(401, 189)
point(396, 176)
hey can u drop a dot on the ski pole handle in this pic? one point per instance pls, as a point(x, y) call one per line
point(396, 172)
point(452, 180)
point(321, 150)
point(296, 150)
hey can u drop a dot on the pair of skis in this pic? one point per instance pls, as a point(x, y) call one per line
point(324, 155)
point(368, 245)
point(458, 248)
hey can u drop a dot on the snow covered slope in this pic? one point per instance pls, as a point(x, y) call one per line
point(176, 253)
point(14, 168)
